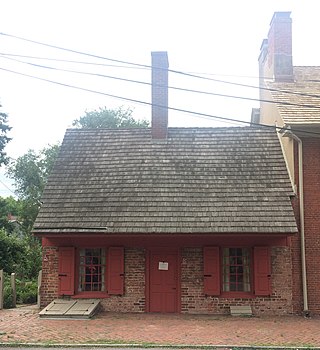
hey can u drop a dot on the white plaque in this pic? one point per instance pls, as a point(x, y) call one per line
point(163, 265)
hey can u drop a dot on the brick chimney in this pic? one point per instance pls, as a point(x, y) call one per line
point(160, 67)
point(275, 60)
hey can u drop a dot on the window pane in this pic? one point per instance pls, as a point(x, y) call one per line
point(92, 270)
point(236, 269)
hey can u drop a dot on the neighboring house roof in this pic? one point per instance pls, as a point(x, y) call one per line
point(304, 92)
point(198, 180)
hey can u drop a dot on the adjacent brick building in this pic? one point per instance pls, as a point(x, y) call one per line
point(293, 92)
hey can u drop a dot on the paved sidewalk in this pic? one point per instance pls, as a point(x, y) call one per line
point(22, 325)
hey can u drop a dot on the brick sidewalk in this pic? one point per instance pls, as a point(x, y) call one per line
point(22, 325)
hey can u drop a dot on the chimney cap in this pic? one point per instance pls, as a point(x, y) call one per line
point(160, 56)
point(280, 15)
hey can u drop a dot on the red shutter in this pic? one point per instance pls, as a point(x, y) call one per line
point(116, 270)
point(66, 271)
point(211, 262)
point(262, 270)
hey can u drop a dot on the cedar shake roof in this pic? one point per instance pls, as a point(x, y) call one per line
point(306, 81)
point(198, 180)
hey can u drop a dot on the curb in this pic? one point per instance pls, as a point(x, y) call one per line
point(157, 346)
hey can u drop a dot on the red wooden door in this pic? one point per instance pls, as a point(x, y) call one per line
point(116, 270)
point(262, 270)
point(66, 270)
point(163, 282)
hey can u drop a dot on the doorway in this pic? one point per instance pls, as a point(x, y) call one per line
point(163, 280)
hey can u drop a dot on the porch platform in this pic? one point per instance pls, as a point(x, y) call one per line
point(75, 309)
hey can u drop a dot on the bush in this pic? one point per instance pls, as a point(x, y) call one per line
point(8, 297)
point(20, 254)
point(12, 252)
point(27, 292)
point(7, 293)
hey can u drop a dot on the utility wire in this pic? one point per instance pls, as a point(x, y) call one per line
point(75, 51)
point(7, 187)
point(171, 87)
point(170, 70)
point(7, 55)
point(199, 114)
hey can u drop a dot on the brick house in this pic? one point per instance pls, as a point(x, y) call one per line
point(294, 92)
point(190, 220)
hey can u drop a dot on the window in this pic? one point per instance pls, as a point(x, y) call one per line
point(92, 269)
point(236, 270)
point(92, 272)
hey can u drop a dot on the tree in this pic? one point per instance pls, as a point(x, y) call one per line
point(9, 206)
point(21, 255)
point(109, 118)
point(12, 251)
point(30, 173)
point(4, 139)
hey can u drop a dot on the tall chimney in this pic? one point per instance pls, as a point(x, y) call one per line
point(275, 58)
point(160, 67)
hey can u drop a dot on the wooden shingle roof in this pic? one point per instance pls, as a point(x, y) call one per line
point(304, 92)
point(199, 180)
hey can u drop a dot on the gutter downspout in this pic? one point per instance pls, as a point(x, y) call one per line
point(302, 233)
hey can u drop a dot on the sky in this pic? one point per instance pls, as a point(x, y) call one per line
point(219, 40)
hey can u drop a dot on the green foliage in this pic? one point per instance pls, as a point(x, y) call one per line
point(12, 251)
point(32, 259)
point(26, 292)
point(20, 254)
point(109, 118)
point(4, 139)
point(30, 173)
point(7, 294)
point(9, 207)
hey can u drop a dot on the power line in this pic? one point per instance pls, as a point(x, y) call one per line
point(170, 70)
point(8, 188)
point(119, 66)
point(69, 61)
point(75, 51)
point(172, 87)
point(199, 114)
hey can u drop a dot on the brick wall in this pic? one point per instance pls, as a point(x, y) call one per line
point(133, 299)
point(311, 169)
point(194, 301)
point(49, 285)
point(192, 298)
point(311, 164)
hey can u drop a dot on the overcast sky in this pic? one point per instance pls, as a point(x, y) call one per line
point(215, 39)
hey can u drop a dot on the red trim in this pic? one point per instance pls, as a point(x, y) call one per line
point(174, 240)
point(89, 295)
point(237, 295)
point(179, 263)
point(147, 281)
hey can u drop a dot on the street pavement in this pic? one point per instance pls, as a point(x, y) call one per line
point(22, 326)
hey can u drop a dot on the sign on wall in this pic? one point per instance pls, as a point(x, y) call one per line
point(163, 265)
